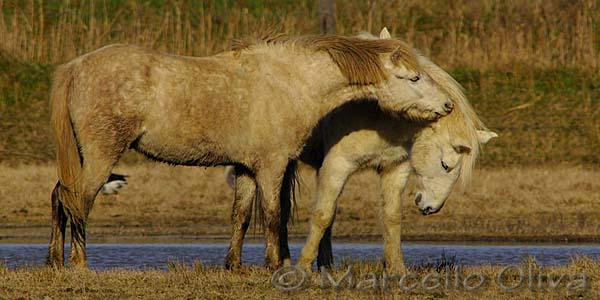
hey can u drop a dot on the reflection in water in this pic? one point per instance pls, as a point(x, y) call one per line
point(140, 256)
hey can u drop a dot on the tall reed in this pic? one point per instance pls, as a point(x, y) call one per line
point(486, 34)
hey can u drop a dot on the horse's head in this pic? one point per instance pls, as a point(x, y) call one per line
point(438, 158)
point(411, 87)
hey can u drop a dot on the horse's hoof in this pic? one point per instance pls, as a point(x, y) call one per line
point(78, 265)
point(232, 265)
point(232, 262)
point(287, 262)
point(306, 267)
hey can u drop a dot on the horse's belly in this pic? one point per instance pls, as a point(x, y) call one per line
point(197, 152)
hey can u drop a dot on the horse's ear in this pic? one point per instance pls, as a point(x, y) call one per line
point(385, 34)
point(485, 136)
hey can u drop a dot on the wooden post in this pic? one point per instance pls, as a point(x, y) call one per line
point(326, 16)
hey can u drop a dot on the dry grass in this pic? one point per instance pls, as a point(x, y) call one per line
point(197, 282)
point(552, 204)
point(479, 34)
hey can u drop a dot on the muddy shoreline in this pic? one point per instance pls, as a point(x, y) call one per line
point(42, 238)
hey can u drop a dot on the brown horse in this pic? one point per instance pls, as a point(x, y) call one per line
point(253, 107)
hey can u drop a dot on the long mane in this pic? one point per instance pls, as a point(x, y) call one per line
point(358, 59)
point(463, 121)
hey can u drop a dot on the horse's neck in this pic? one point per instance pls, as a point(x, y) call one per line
point(315, 75)
point(329, 89)
point(349, 93)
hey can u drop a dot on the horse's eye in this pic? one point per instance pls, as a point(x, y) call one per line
point(445, 166)
point(415, 79)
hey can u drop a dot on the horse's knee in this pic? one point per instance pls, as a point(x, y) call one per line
point(322, 219)
point(271, 213)
point(392, 219)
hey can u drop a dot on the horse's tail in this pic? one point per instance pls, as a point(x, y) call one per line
point(287, 197)
point(67, 149)
point(288, 191)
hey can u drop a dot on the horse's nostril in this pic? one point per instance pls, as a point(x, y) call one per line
point(418, 199)
point(448, 106)
point(427, 210)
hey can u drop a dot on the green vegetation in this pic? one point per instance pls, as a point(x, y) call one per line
point(24, 115)
point(542, 115)
point(550, 115)
point(529, 68)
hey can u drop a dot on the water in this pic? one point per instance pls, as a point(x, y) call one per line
point(141, 256)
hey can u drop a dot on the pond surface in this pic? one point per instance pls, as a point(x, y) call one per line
point(141, 256)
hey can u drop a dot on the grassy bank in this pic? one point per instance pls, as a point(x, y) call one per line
point(542, 116)
point(559, 203)
point(529, 68)
point(197, 282)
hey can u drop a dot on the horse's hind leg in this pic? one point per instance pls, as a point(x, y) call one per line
point(77, 257)
point(287, 196)
point(97, 166)
point(245, 193)
point(393, 181)
point(56, 251)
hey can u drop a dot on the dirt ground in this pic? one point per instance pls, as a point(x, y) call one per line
point(558, 203)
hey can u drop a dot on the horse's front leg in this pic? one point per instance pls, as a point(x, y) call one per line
point(325, 256)
point(332, 177)
point(393, 181)
point(245, 193)
point(269, 181)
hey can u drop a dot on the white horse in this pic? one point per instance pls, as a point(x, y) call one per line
point(358, 136)
point(253, 106)
point(440, 154)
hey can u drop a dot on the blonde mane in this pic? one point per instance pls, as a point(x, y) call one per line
point(463, 121)
point(358, 59)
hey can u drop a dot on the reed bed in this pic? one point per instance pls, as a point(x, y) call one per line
point(482, 35)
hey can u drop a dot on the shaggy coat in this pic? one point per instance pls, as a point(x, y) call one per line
point(358, 136)
point(253, 107)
